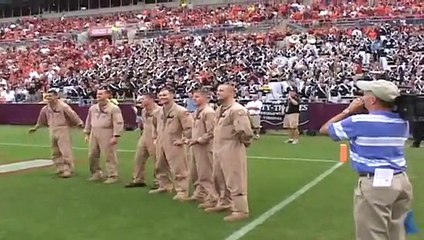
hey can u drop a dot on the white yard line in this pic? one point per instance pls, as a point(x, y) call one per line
point(280, 206)
point(132, 151)
point(18, 166)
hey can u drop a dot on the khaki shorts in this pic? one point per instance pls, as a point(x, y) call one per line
point(255, 121)
point(291, 120)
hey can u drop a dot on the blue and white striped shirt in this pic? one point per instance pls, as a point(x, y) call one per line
point(377, 140)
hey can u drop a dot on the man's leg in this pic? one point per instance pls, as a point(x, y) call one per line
point(235, 173)
point(203, 168)
point(179, 170)
point(65, 146)
point(400, 209)
point(141, 156)
point(373, 209)
point(224, 201)
point(151, 148)
point(111, 154)
point(94, 158)
point(163, 172)
point(286, 125)
point(192, 168)
point(294, 124)
point(56, 154)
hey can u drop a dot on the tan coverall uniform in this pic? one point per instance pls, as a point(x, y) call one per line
point(232, 134)
point(173, 126)
point(202, 132)
point(60, 119)
point(145, 147)
point(103, 122)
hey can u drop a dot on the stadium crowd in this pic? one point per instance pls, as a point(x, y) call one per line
point(171, 18)
point(323, 64)
point(327, 63)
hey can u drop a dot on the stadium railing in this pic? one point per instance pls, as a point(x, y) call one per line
point(228, 28)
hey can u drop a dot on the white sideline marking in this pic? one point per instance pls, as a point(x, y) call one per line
point(18, 166)
point(280, 206)
point(132, 151)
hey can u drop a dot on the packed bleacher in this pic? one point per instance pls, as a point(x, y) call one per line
point(323, 64)
point(167, 18)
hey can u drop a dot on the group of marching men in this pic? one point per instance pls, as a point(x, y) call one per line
point(209, 145)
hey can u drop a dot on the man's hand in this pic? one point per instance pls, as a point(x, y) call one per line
point(178, 142)
point(356, 105)
point(86, 139)
point(113, 141)
point(193, 142)
point(32, 130)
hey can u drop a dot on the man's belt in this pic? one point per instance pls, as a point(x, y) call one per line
point(370, 175)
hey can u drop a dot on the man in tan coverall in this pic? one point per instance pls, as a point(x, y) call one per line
point(173, 127)
point(232, 134)
point(103, 127)
point(145, 147)
point(59, 117)
point(202, 143)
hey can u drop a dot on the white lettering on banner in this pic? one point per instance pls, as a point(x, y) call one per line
point(272, 113)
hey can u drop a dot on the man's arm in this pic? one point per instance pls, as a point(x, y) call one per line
point(87, 129)
point(117, 122)
point(186, 121)
point(293, 101)
point(340, 127)
point(242, 126)
point(209, 124)
point(41, 121)
point(73, 116)
point(42, 118)
point(155, 125)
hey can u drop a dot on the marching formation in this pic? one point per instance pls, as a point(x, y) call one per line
point(206, 148)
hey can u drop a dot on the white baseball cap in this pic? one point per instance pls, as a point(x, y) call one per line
point(382, 89)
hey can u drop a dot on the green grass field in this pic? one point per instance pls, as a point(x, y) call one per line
point(35, 205)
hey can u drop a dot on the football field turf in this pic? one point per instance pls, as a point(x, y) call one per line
point(36, 205)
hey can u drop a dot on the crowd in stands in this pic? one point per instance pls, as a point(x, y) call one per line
point(165, 18)
point(322, 64)
point(357, 11)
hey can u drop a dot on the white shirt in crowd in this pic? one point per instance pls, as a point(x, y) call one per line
point(3, 83)
point(254, 104)
point(10, 97)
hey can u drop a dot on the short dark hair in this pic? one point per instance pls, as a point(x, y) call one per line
point(53, 92)
point(108, 91)
point(150, 95)
point(170, 90)
point(203, 91)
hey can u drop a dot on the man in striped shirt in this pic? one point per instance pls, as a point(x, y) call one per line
point(383, 196)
